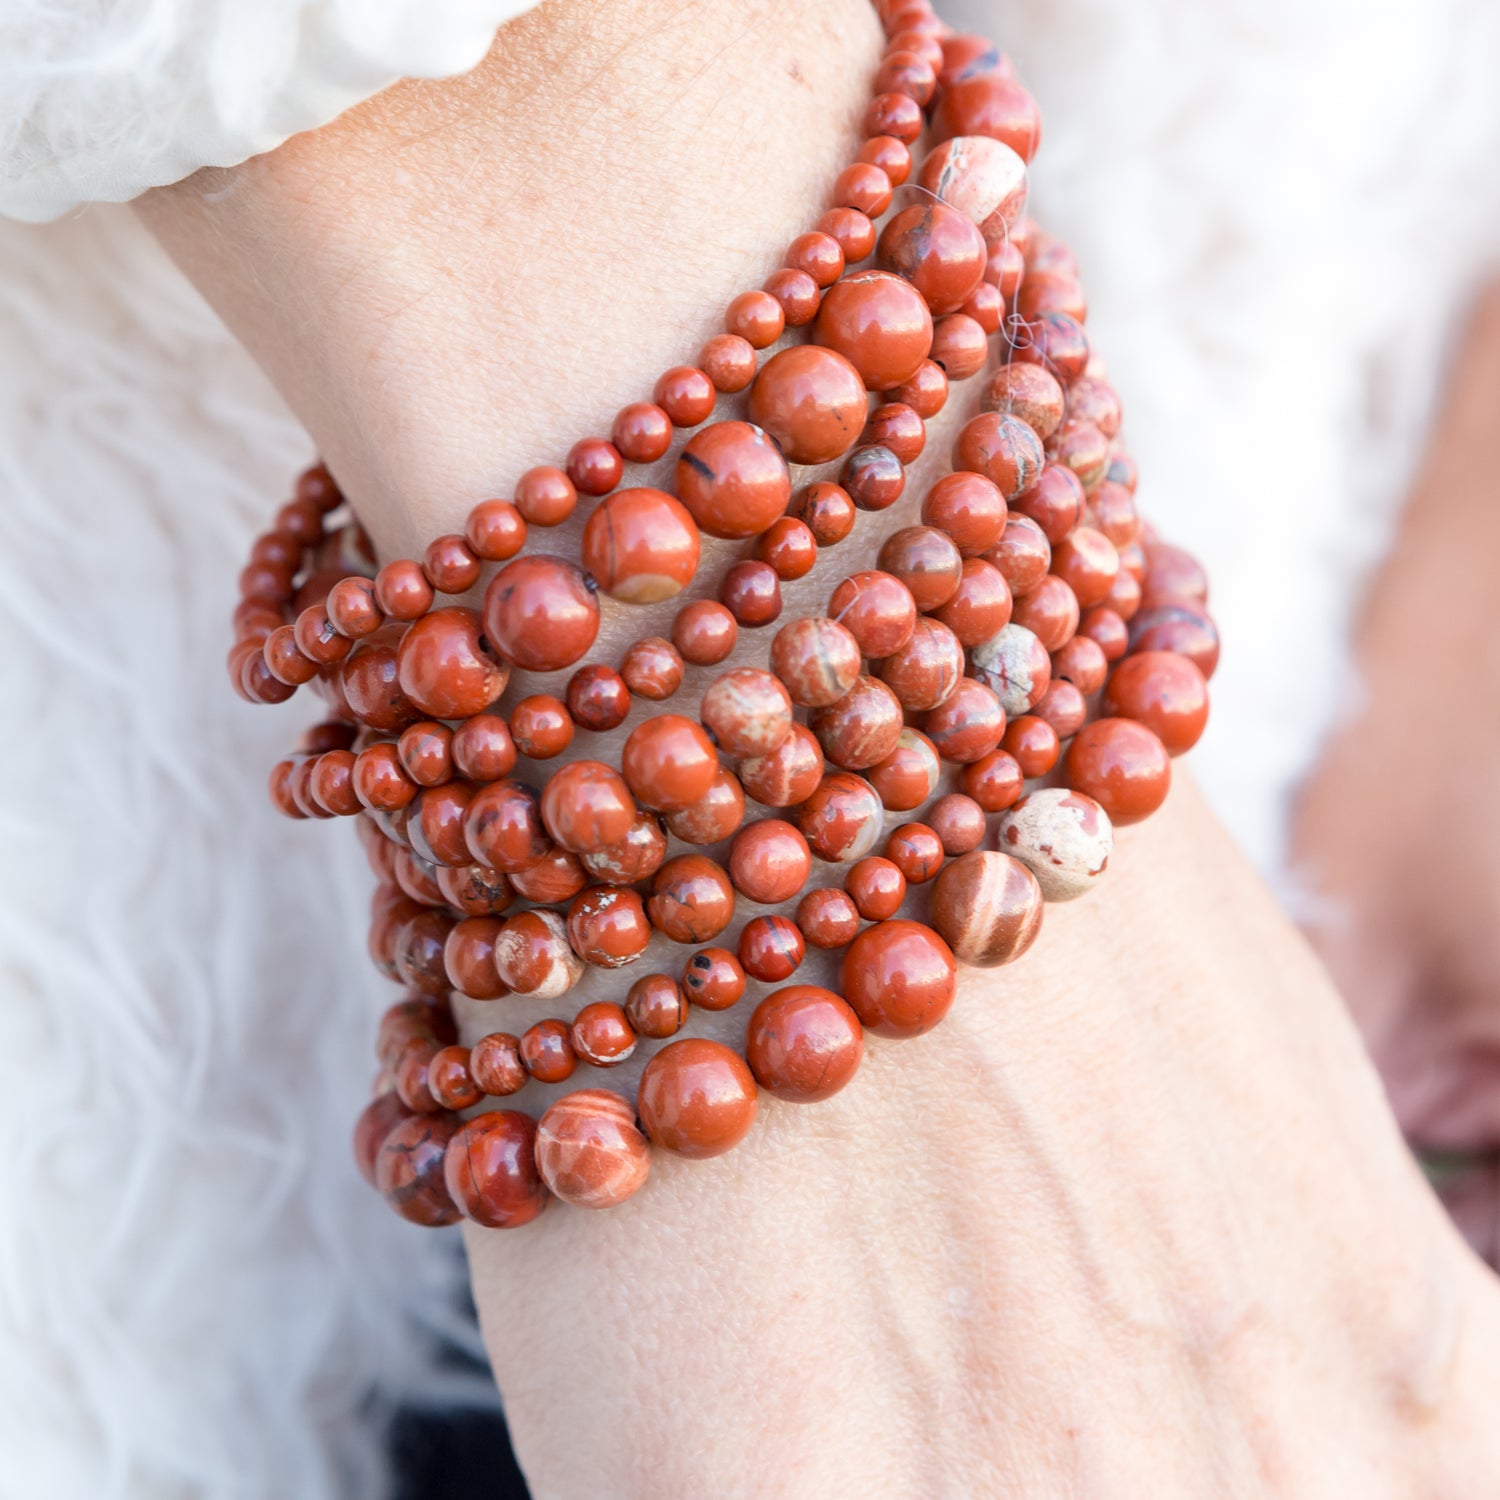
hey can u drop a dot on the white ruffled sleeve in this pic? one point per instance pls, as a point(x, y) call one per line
point(102, 99)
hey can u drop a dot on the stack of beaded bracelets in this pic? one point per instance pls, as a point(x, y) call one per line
point(1027, 611)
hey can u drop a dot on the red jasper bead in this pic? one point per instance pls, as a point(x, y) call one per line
point(936, 248)
point(755, 317)
point(426, 752)
point(1163, 691)
point(993, 105)
point(804, 1043)
point(852, 230)
point(842, 819)
point(380, 781)
point(450, 565)
point(475, 890)
point(545, 496)
point(332, 783)
point(894, 114)
point(747, 711)
point(713, 979)
point(994, 781)
point(1023, 554)
point(1173, 577)
point(652, 668)
point(557, 876)
point(751, 592)
point(495, 530)
point(541, 726)
point(437, 830)
point(864, 187)
point(669, 762)
point(789, 775)
point(449, 1079)
point(909, 775)
point(503, 827)
point(602, 1034)
point(595, 466)
point(926, 561)
point(547, 1052)
point(899, 978)
point(1029, 392)
point(967, 725)
point(969, 509)
point(828, 918)
point(469, 960)
point(729, 362)
point(1002, 448)
point(1122, 765)
point(981, 606)
point(541, 613)
point(811, 401)
point(895, 426)
point(409, 1170)
point(1108, 631)
point(1172, 627)
point(443, 667)
point(402, 590)
point(376, 1121)
point(926, 670)
point(1033, 743)
point(826, 510)
point(873, 478)
point(819, 254)
point(917, 851)
point(686, 394)
point(490, 1170)
point(352, 609)
point(960, 345)
point(1054, 502)
point(1063, 707)
point(817, 659)
point(588, 1150)
point(733, 479)
point(641, 545)
point(877, 610)
point(862, 728)
point(371, 685)
point(704, 632)
point(656, 1007)
point(495, 1064)
point(715, 815)
point(988, 907)
point(692, 900)
point(789, 547)
point(587, 806)
point(598, 699)
point(771, 948)
point(637, 856)
point(876, 886)
point(1083, 449)
point(642, 432)
point(797, 293)
point(879, 323)
point(697, 1098)
point(769, 861)
point(1054, 341)
point(1050, 612)
point(926, 392)
point(1081, 662)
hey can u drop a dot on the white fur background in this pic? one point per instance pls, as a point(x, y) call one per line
point(1281, 209)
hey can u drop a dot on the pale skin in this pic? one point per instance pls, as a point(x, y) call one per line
point(1136, 1218)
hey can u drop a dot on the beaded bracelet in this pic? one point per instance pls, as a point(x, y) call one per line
point(1028, 611)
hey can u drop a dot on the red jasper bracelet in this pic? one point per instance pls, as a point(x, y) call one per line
point(1026, 630)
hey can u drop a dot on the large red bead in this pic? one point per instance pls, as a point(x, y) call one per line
point(540, 613)
point(811, 401)
point(733, 479)
point(491, 1170)
point(589, 1151)
point(804, 1043)
point(642, 546)
point(879, 323)
point(899, 978)
point(1163, 691)
point(697, 1098)
point(1122, 765)
point(409, 1169)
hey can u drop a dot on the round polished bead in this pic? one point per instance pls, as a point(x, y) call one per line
point(287, 662)
point(894, 114)
point(558, 876)
point(1055, 341)
point(495, 530)
point(1063, 707)
point(437, 829)
point(916, 850)
point(1033, 742)
point(927, 669)
point(748, 712)
point(376, 1121)
point(637, 856)
point(787, 776)
point(541, 726)
point(1122, 765)
point(988, 907)
point(789, 547)
point(656, 1007)
point(826, 510)
point(1006, 268)
point(751, 592)
point(980, 607)
point(960, 345)
point(1028, 392)
point(686, 394)
point(1064, 838)
point(352, 609)
point(1042, 292)
point(982, 178)
point(1116, 516)
point(713, 979)
point(1023, 554)
point(876, 886)
point(482, 748)
point(818, 660)
point(541, 613)
point(862, 728)
point(692, 900)
point(450, 565)
point(1082, 449)
point(986, 307)
point(402, 590)
point(368, 676)
point(409, 1169)
point(545, 496)
point(587, 806)
point(704, 632)
point(426, 752)
point(1081, 663)
point(873, 478)
point(770, 948)
point(958, 822)
point(967, 725)
point(992, 105)
point(1096, 401)
point(449, 1079)
point(909, 775)
point(503, 827)
point(697, 1098)
point(968, 508)
point(669, 762)
point(877, 610)
point(715, 815)
point(1163, 691)
point(1015, 666)
point(547, 1051)
point(729, 362)
point(1107, 630)
point(926, 561)
point(828, 918)
point(1002, 448)
point(804, 1043)
point(906, 72)
point(410, 1077)
point(642, 432)
point(769, 861)
point(895, 426)
point(417, 1016)
point(469, 958)
point(387, 925)
point(811, 400)
point(842, 818)
point(332, 783)
point(533, 957)
point(926, 392)
point(899, 978)
point(852, 230)
point(598, 699)
point(819, 254)
point(863, 186)
point(879, 323)
point(1054, 502)
point(495, 1064)
point(316, 637)
point(380, 781)
point(994, 781)
point(641, 545)
point(652, 669)
point(1124, 596)
point(1172, 627)
point(607, 926)
point(491, 1172)
point(755, 317)
point(936, 248)
point(588, 1150)
point(417, 877)
point(733, 479)
point(474, 890)
point(602, 1034)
